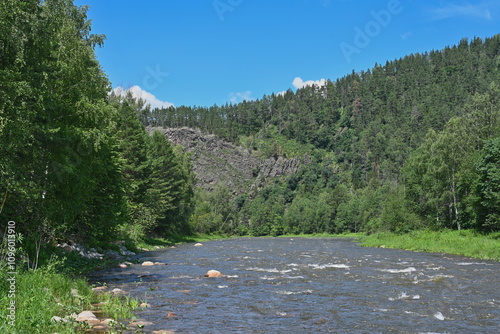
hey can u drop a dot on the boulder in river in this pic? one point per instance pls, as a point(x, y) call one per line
point(198, 244)
point(148, 263)
point(213, 273)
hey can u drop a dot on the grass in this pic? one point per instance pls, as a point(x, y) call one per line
point(321, 235)
point(465, 242)
point(44, 293)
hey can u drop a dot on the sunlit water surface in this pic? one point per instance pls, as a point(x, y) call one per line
point(297, 285)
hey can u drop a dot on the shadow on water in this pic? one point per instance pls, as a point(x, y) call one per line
point(300, 285)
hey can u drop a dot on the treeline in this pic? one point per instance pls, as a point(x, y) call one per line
point(405, 145)
point(408, 145)
point(76, 164)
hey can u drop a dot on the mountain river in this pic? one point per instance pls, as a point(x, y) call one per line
point(302, 285)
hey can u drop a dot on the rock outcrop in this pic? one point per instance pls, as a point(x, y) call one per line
point(216, 160)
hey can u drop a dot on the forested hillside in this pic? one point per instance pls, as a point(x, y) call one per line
point(407, 145)
point(404, 145)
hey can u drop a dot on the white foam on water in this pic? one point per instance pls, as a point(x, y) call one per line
point(438, 315)
point(469, 263)
point(293, 277)
point(285, 292)
point(293, 265)
point(435, 268)
point(405, 296)
point(269, 270)
point(329, 265)
point(397, 271)
point(222, 286)
point(232, 276)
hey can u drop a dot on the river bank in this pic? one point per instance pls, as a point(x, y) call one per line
point(465, 242)
point(58, 288)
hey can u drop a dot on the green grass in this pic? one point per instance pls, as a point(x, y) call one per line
point(465, 242)
point(44, 293)
point(321, 235)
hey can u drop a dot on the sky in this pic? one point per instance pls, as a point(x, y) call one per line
point(206, 52)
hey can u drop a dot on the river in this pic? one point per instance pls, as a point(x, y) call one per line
point(302, 285)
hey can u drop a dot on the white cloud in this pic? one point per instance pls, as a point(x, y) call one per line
point(299, 83)
point(239, 97)
point(478, 11)
point(139, 93)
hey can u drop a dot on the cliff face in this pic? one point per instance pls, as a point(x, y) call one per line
point(216, 160)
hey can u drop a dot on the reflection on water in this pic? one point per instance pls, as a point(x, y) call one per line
point(296, 285)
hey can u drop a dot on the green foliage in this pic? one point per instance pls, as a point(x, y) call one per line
point(488, 187)
point(59, 171)
point(441, 173)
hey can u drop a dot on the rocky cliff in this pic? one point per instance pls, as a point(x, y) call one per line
point(216, 160)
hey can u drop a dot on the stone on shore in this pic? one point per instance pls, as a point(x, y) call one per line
point(148, 263)
point(141, 323)
point(86, 316)
point(213, 273)
point(118, 292)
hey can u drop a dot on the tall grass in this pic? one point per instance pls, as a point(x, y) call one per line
point(465, 242)
point(43, 293)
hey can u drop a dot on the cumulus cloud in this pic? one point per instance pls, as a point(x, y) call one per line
point(299, 83)
point(139, 93)
point(239, 97)
point(478, 11)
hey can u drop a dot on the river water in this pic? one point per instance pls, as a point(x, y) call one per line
point(301, 285)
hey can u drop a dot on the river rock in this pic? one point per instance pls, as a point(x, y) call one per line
point(86, 316)
point(145, 305)
point(141, 323)
point(122, 265)
point(99, 288)
point(213, 273)
point(118, 292)
point(148, 263)
point(160, 264)
point(171, 315)
point(198, 244)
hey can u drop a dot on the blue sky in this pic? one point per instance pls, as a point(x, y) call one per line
point(205, 52)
